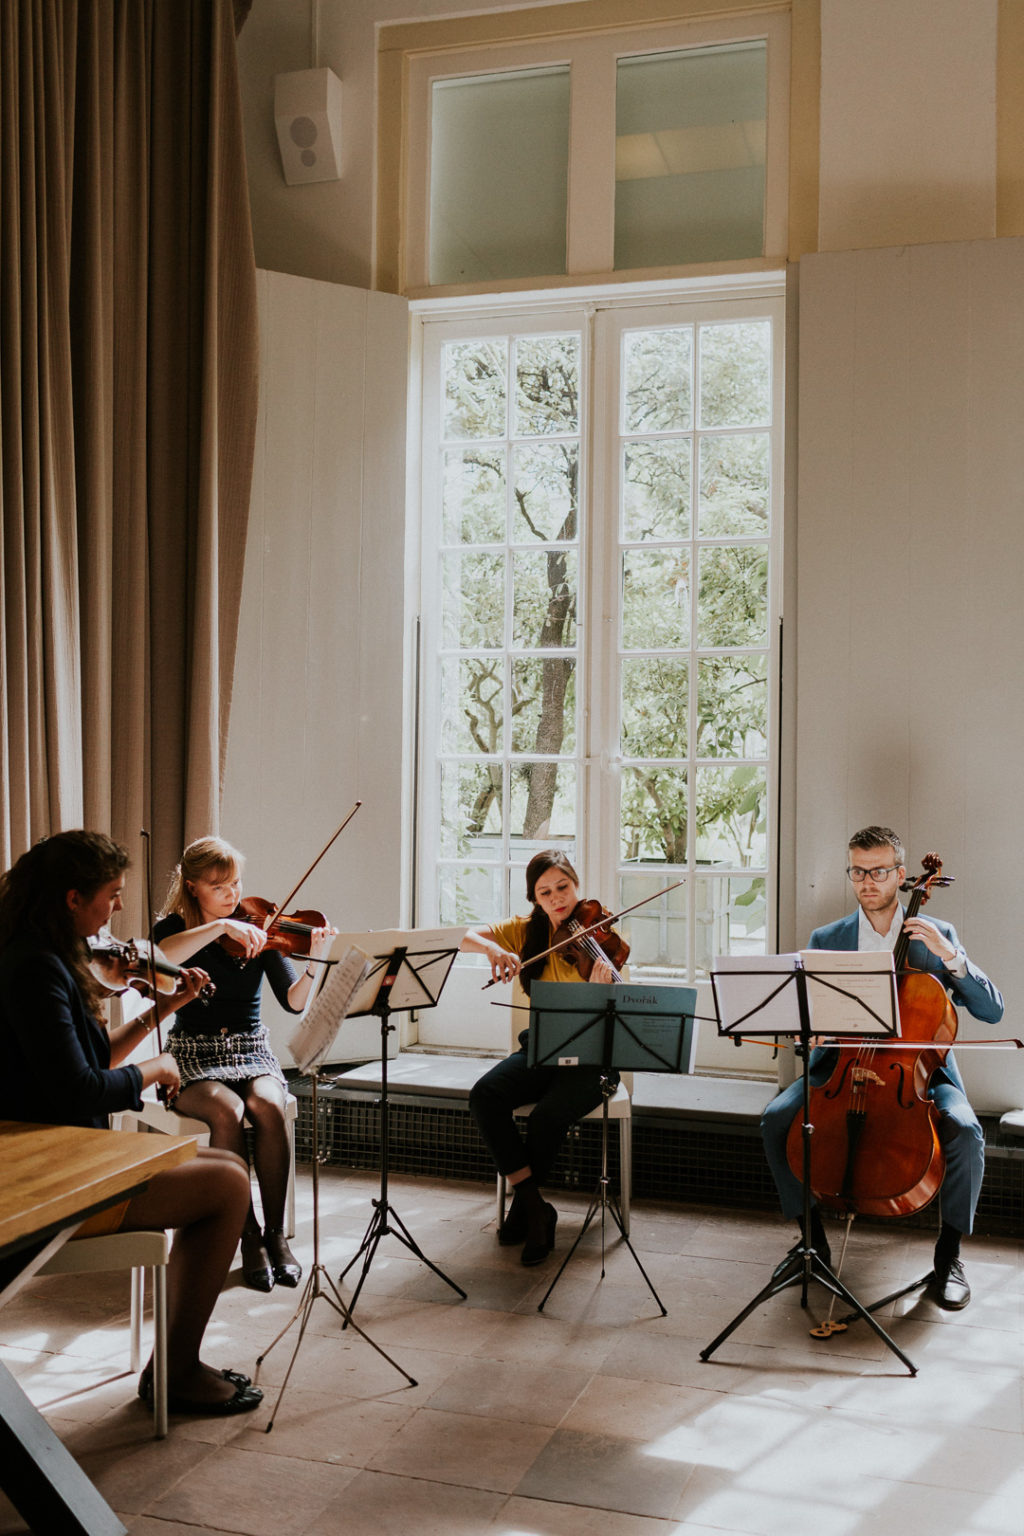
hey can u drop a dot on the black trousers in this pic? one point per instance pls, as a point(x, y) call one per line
point(561, 1096)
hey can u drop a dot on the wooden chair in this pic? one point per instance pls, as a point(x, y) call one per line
point(135, 1251)
point(155, 1116)
point(620, 1108)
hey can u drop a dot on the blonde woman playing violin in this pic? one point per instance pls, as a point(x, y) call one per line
point(562, 1095)
point(223, 1051)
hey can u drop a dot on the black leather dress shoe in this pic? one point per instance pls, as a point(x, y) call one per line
point(950, 1287)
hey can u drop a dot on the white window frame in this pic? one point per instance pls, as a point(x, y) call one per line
point(464, 1019)
point(592, 58)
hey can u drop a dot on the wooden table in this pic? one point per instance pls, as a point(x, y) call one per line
point(51, 1178)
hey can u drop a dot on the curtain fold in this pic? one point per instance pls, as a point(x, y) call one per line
point(128, 396)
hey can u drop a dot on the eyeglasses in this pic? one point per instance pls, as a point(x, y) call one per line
point(883, 872)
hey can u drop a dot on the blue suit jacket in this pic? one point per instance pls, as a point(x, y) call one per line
point(974, 991)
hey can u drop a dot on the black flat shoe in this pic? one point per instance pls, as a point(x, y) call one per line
point(287, 1271)
point(536, 1252)
point(146, 1382)
point(256, 1270)
point(245, 1399)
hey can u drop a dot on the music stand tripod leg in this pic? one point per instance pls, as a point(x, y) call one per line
point(805, 1264)
point(380, 1225)
point(602, 1200)
point(312, 1290)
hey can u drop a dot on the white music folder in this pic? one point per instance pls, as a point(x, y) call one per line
point(317, 1030)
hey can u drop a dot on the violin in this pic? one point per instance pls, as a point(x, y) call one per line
point(109, 958)
point(587, 939)
point(288, 933)
point(876, 1148)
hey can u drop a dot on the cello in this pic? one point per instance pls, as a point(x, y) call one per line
point(876, 1148)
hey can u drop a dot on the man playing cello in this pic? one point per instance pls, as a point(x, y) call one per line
point(876, 870)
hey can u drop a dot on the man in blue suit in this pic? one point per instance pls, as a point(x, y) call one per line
point(876, 870)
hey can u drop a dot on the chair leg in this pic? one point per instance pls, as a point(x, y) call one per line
point(160, 1350)
point(289, 1205)
point(625, 1170)
point(501, 1201)
point(137, 1309)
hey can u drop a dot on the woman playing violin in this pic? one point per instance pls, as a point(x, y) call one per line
point(222, 1048)
point(562, 1095)
point(62, 1066)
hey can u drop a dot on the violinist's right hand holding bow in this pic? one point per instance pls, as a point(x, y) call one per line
point(504, 964)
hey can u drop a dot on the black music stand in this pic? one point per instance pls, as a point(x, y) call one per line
point(310, 1044)
point(407, 970)
point(618, 1028)
point(785, 1009)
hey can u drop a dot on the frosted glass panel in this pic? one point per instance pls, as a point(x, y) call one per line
point(690, 156)
point(499, 176)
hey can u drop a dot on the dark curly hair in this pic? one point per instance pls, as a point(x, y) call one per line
point(33, 896)
point(538, 927)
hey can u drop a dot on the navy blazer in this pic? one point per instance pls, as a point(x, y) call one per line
point(974, 991)
point(56, 1057)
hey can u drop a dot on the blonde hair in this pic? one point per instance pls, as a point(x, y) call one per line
point(206, 856)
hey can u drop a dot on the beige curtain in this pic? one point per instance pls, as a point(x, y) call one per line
point(128, 384)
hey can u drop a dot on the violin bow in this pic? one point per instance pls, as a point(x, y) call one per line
point(300, 883)
point(603, 922)
point(147, 865)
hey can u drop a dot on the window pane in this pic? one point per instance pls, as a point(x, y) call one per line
point(690, 156)
point(471, 704)
point(732, 919)
point(546, 478)
point(732, 706)
point(469, 894)
point(732, 608)
point(734, 485)
point(736, 374)
point(654, 707)
point(544, 704)
point(547, 385)
point(656, 490)
point(656, 934)
point(657, 372)
point(472, 612)
point(544, 598)
point(475, 388)
point(730, 816)
point(653, 815)
point(544, 798)
point(499, 175)
point(474, 496)
point(655, 599)
point(471, 802)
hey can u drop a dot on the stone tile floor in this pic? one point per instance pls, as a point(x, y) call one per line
point(596, 1416)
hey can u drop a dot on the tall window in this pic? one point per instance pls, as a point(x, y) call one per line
point(599, 611)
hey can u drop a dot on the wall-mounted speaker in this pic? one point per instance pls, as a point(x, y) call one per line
point(307, 114)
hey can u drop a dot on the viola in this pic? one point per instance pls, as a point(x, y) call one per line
point(146, 966)
point(587, 939)
point(287, 932)
point(876, 1149)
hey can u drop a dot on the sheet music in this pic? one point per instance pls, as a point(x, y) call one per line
point(316, 1031)
point(429, 956)
point(856, 997)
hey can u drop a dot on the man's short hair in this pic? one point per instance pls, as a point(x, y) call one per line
point(880, 837)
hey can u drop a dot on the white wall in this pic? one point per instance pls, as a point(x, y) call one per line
point(910, 540)
point(317, 714)
point(908, 122)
